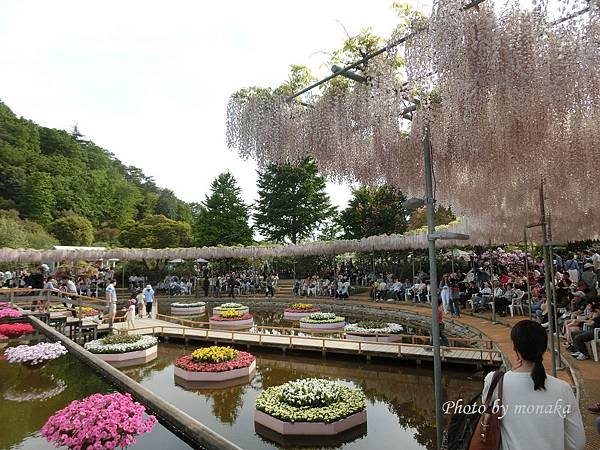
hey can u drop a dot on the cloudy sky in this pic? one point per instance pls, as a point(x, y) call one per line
point(150, 80)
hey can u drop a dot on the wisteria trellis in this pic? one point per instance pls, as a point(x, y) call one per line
point(512, 97)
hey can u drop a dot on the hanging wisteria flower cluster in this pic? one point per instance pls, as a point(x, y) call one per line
point(510, 94)
point(35, 354)
point(337, 247)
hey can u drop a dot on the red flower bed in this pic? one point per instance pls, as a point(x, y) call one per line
point(186, 362)
point(311, 310)
point(14, 330)
point(231, 319)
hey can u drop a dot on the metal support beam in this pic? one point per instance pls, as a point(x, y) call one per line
point(547, 276)
point(435, 327)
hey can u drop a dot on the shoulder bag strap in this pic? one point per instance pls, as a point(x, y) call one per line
point(498, 377)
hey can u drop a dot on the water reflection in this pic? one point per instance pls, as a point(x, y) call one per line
point(400, 399)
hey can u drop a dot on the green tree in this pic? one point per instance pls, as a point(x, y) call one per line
point(37, 201)
point(156, 231)
point(292, 201)
point(222, 219)
point(73, 230)
point(374, 211)
point(418, 218)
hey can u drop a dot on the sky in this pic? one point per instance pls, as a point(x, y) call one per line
point(149, 80)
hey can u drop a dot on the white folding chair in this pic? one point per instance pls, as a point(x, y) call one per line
point(517, 303)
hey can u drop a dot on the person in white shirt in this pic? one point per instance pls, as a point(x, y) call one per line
point(538, 411)
point(111, 298)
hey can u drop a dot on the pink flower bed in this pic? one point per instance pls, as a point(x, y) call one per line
point(186, 362)
point(3, 305)
point(99, 421)
point(10, 312)
point(231, 319)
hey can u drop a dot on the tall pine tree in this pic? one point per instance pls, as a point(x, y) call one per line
point(222, 219)
point(292, 201)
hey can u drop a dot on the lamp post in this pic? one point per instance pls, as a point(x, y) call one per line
point(432, 236)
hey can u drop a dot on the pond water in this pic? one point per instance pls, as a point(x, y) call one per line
point(400, 398)
point(28, 397)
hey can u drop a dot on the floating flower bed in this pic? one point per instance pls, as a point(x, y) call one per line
point(35, 355)
point(118, 348)
point(231, 319)
point(218, 310)
point(189, 309)
point(15, 330)
point(9, 312)
point(99, 421)
point(323, 320)
point(375, 331)
point(299, 310)
point(311, 406)
point(59, 311)
point(215, 364)
point(90, 313)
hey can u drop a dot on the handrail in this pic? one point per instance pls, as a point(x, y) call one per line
point(412, 337)
point(53, 291)
point(490, 353)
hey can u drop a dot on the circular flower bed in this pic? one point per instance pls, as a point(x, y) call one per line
point(115, 348)
point(218, 310)
point(10, 313)
point(99, 421)
point(231, 319)
point(215, 363)
point(33, 355)
point(323, 320)
point(14, 330)
point(188, 308)
point(59, 311)
point(374, 330)
point(299, 310)
point(89, 313)
point(310, 406)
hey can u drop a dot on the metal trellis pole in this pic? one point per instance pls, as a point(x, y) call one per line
point(435, 327)
point(527, 273)
point(547, 275)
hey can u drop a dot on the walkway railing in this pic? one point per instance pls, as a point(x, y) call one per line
point(283, 331)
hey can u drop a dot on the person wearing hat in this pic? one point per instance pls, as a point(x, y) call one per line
point(149, 294)
point(574, 325)
point(130, 314)
point(590, 278)
point(578, 301)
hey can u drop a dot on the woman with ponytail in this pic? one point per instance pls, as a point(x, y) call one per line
point(539, 411)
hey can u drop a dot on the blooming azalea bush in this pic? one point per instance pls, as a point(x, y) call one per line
point(10, 312)
point(320, 317)
point(215, 359)
point(14, 330)
point(188, 305)
point(35, 354)
point(99, 421)
point(121, 344)
point(231, 316)
point(374, 327)
point(311, 400)
point(302, 307)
